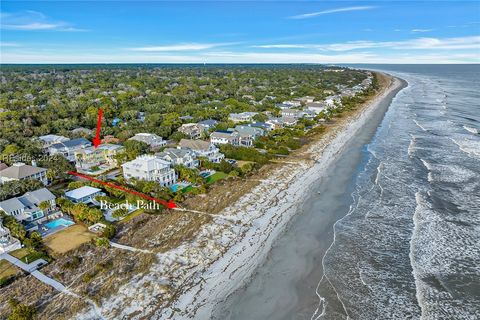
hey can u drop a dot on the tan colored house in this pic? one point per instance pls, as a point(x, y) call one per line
point(97, 160)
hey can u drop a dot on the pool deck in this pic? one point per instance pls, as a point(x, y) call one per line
point(49, 231)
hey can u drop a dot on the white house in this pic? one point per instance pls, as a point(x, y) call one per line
point(225, 137)
point(202, 149)
point(21, 171)
point(153, 140)
point(175, 157)
point(150, 168)
point(316, 107)
point(7, 242)
point(85, 194)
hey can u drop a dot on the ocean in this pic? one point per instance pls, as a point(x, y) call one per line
point(394, 231)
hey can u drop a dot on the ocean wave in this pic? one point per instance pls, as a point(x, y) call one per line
point(472, 130)
point(419, 125)
point(470, 147)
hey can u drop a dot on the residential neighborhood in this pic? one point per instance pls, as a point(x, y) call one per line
point(73, 192)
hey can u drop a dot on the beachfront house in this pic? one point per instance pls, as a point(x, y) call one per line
point(316, 107)
point(7, 242)
point(192, 130)
point(85, 194)
point(281, 122)
point(68, 148)
point(333, 101)
point(98, 160)
point(253, 131)
point(247, 134)
point(225, 137)
point(21, 171)
point(242, 117)
point(153, 140)
point(202, 149)
point(150, 168)
point(33, 206)
point(175, 157)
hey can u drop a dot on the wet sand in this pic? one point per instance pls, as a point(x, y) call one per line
point(284, 286)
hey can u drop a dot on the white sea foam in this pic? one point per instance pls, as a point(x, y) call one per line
point(470, 129)
point(469, 146)
point(419, 125)
point(411, 146)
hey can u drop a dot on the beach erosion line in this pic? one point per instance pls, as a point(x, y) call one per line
point(226, 252)
point(268, 216)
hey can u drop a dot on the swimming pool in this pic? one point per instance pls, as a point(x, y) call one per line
point(178, 186)
point(60, 222)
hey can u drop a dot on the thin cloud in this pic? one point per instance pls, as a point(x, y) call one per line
point(179, 47)
point(336, 10)
point(33, 21)
point(421, 30)
point(9, 44)
point(461, 43)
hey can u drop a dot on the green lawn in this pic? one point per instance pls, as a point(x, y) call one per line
point(216, 176)
point(28, 257)
point(131, 215)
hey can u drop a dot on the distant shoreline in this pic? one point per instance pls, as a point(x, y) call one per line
point(241, 235)
point(269, 213)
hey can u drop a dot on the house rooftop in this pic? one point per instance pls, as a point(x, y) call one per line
point(82, 192)
point(20, 170)
point(29, 200)
point(173, 153)
point(71, 143)
point(146, 163)
point(106, 146)
point(194, 144)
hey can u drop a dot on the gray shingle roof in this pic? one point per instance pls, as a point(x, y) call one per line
point(20, 171)
point(194, 144)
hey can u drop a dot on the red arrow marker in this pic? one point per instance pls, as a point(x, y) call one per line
point(97, 141)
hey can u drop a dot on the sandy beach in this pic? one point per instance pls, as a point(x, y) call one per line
point(226, 252)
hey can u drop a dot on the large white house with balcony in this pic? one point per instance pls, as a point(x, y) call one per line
point(149, 168)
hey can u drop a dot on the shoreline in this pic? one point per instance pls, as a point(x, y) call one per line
point(227, 251)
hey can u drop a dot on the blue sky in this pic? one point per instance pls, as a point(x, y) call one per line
point(240, 32)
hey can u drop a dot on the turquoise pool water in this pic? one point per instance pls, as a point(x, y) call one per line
point(178, 186)
point(58, 222)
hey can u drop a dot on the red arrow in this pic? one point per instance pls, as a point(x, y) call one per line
point(97, 141)
point(169, 204)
